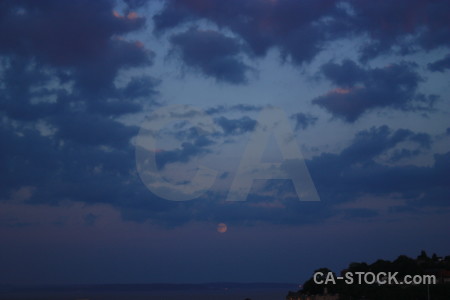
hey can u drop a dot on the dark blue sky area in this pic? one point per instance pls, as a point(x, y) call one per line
point(111, 110)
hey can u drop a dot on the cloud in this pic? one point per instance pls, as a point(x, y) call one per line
point(369, 144)
point(364, 89)
point(236, 126)
point(303, 120)
point(440, 65)
point(63, 75)
point(139, 91)
point(84, 172)
point(302, 29)
point(61, 110)
point(93, 130)
point(59, 103)
point(400, 26)
point(20, 77)
point(184, 153)
point(346, 75)
point(22, 167)
point(244, 108)
point(140, 87)
point(72, 171)
point(134, 4)
point(293, 26)
point(72, 115)
point(99, 74)
point(400, 154)
point(196, 139)
point(211, 53)
point(90, 52)
point(362, 169)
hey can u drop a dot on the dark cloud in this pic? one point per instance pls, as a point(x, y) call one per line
point(421, 143)
point(43, 49)
point(360, 90)
point(369, 144)
point(93, 130)
point(220, 109)
point(83, 152)
point(132, 98)
point(100, 73)
point(20, 166)
point(423, 139)
point(400, 26)
point(134, 4)
point(440, 65)
point(85, 172)
point(348, 74)
point(91, 51)
point(212, 53)
point(20, 76)
point(361, 169)
point(73, 115)
point(400, 154)
point(303, 121)
point(140, 87)
point(72, 171)
point(236, 126)
point(293, 26)
point(184, 153)
point(195, 141)
point(46, 30)
point(59, 104)
point(301, 29)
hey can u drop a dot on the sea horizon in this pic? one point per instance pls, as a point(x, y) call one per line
point(153, 291)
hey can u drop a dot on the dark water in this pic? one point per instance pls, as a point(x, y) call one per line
point(150, 292)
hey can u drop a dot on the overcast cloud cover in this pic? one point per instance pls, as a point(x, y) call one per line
point(365, 88)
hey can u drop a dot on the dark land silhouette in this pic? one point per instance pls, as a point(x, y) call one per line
point(404, 265)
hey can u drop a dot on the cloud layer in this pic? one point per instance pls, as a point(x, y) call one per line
point(359, 90)
point(68, 107)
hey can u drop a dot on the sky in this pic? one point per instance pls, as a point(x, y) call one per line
point(191, 141)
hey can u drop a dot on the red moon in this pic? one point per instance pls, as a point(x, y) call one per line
point(222, 227)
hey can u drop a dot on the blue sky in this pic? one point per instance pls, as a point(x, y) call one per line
point(361, 88)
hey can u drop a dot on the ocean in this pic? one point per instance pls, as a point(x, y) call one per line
point(213, 291)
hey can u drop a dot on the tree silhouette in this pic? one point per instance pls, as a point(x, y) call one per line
point(403, 265)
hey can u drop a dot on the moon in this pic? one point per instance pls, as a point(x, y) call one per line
point(222, 227)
